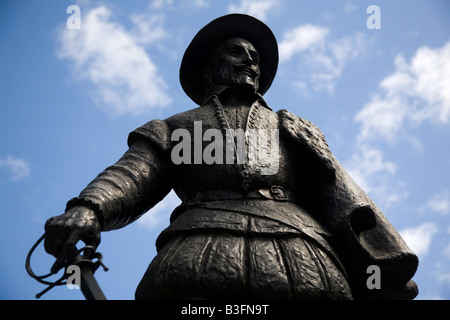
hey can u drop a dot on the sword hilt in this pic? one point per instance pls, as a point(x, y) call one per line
point(76, 258)
point(88, 257)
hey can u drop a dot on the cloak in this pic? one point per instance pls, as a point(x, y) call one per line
point(363, 235)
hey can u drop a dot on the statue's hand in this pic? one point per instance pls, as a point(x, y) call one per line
point(63, 233)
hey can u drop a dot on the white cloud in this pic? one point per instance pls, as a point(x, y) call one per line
point(158, 4)
point(103, 52)
point(415, 92)
point(160, 213)
point(300, 39)
point(375, 176)
point(179, 4)
point(201, 3)
point(419, 238)
point(148, 28)
point(14, 168)
point(350, 8)
point(330, 62)
point(430, 70)
point(382, 118)
point(256, 8)
point(440, 203)
point(322, 61)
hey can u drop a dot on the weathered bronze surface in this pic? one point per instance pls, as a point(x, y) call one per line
point(290, 224)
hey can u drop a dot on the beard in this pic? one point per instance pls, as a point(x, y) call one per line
point(244, 82)
point(238, 77)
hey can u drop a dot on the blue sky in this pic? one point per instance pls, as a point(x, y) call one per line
point(69, 98)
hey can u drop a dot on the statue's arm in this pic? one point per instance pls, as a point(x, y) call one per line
point(124, 191)
point(117, 196)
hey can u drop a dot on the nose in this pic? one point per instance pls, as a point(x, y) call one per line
point(248, 59)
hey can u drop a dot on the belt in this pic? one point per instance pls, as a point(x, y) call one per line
point(276, 193)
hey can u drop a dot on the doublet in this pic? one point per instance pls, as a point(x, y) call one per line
point(260, 218)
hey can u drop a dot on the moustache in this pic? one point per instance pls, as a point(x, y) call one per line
point(251, 71)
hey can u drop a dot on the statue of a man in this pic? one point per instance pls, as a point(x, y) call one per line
point(302, 230)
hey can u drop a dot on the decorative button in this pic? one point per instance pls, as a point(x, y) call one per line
point(278, 193)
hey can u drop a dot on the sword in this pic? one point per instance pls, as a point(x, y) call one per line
point(88, 284)
point(87, 267)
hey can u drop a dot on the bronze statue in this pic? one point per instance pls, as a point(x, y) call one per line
point(303, 230)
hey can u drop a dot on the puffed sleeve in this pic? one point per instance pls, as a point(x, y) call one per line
point(135, 183)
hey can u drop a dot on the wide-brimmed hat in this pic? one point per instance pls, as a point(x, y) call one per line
point(217, 31)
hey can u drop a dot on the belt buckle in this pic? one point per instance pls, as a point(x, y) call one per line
point(278, 193)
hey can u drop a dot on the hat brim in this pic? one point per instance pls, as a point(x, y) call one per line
point(217, 31)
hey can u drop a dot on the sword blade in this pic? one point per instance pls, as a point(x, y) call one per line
point(89, 286)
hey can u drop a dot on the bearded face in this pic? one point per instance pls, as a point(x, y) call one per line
point(234, 63)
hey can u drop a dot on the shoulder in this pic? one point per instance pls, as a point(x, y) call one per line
point(156, 132)
point(186, 118)
point(298, 127)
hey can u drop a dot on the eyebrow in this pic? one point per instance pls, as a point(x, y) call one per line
point(235, 45)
